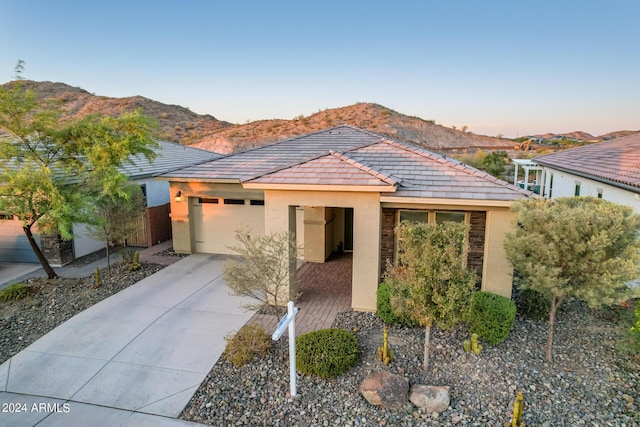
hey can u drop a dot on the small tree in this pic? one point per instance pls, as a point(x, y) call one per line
point(579, 247)
point(114, 216)
point(265, 269)
point(494, 163)
point(430, 282)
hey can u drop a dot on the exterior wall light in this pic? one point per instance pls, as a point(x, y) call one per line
point(178, 196)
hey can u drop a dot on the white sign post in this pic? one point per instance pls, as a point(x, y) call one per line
point(289, 321)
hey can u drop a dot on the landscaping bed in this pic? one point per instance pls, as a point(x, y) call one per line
point(51, 302)
point(588, 383)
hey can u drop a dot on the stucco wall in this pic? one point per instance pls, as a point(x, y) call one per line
point(564, 185)
point(158, 192)
point(366, 238)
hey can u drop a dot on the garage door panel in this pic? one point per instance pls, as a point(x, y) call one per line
point(14, 246)
point(215, 224)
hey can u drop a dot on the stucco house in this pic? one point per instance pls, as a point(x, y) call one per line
point(14, 246)
point(343, 189)
point(609, 170)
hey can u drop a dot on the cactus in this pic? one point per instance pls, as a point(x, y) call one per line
point(472, 345)
point(385, 353)
point(518, 411)
point(97, 284)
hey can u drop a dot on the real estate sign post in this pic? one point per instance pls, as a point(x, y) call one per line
point(289, 321)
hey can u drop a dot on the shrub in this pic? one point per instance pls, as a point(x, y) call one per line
point(14, 292)
point(491, 316)
point(533, 304)
point(249, 341)
point(384, 310)
point(326, 353)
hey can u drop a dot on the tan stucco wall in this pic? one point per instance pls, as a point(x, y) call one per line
point(366, 240)
point(497, 275)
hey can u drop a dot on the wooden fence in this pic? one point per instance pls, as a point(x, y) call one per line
point(153, 226)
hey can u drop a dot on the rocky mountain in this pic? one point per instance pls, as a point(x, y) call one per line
point(587, 137)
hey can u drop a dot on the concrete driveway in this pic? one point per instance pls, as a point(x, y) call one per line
point(142, 351)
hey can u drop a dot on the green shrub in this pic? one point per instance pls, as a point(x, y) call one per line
point(491, 316)
point(14, 292)
point(533, 304)
point(249, 341)
point(384, 310)
point(326, 353)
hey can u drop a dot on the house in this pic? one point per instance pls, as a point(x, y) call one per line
point(14, 246)
point(345, 189)
point(609, 170)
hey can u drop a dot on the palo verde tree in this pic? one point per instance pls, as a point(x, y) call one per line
point(114, 215)
point(430, 282)
point(579, 247)
point(50, 166)
point(264, 270)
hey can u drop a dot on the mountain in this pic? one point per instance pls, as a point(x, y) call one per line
point(177, 123)
point(584, 136)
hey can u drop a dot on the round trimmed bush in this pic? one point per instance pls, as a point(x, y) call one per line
point(384, 310)
point(326, 353)
point(491, 316)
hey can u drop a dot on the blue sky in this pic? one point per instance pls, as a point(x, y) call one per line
point(512, 67)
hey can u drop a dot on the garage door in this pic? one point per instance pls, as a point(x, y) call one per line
point(216, 220)
point(14, 246)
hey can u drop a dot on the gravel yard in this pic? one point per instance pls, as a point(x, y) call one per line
point(51, 302)
point(588, 383)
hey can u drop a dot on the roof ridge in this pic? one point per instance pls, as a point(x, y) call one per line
point(365, 168)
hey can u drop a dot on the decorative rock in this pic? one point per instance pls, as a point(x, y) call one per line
point(431, 398)
point(385, 389)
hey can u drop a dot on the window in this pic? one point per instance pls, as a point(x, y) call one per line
point(256, 202)
point(143, 188)
point(4, 216)
point(414, 216)
point(550, 185)
point(577, 189)
point(450, 216)
point(234, 201)
point(599, 193)
point(207, 200)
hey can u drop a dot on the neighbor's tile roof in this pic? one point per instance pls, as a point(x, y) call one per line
point(614, 162)
point(169, 156)
point(346, 155)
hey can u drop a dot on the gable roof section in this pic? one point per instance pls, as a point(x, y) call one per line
point(258, 161)
point(615, 162)
point(169, 156)
point(348, 156)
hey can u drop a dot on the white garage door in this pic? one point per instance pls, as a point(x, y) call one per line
point(216, 220)
point(14, 246)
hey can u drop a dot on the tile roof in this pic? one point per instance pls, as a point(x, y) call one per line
point(346, 155)
point(169, 156)
point(615, 162)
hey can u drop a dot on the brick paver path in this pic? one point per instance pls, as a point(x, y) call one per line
point(326, 291)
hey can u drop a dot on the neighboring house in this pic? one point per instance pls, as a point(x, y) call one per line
point(14, 246)
point(609, 170)
point(343, 189)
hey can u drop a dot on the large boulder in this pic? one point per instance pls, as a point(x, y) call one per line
point(385, 389)
point(431, 398)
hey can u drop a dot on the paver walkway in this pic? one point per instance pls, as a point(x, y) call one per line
point(326, 291)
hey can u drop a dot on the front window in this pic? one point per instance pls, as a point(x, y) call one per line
point(414, 216)
point(450, 216)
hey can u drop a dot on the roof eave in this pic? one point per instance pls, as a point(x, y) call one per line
point(613, 183)
point(321, 187)
point(446, 201)
point(191, 179)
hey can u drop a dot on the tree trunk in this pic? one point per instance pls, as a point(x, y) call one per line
point(36, 249)
point(552, 319)
point(427, 337)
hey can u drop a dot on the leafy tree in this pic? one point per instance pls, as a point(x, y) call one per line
point(494, 163)
point(115, 215)
point(430, 282)
point(580, 247)
point(49, 166)
point(264, 270)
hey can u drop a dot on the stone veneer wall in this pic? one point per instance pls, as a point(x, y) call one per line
point(475, 257)
point(56, 250)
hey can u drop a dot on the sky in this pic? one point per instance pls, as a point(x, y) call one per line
point(499, 67)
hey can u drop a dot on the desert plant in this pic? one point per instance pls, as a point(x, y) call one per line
point(532, 304)
point(14, 292)
point(518, 411)
point(385, 311)
point(98, 282)
point(491, 316)
point(326, 353)
point(385, 353)
point(248, 342)
point(472, 345)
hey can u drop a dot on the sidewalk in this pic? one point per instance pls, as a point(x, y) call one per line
point(13, 273)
